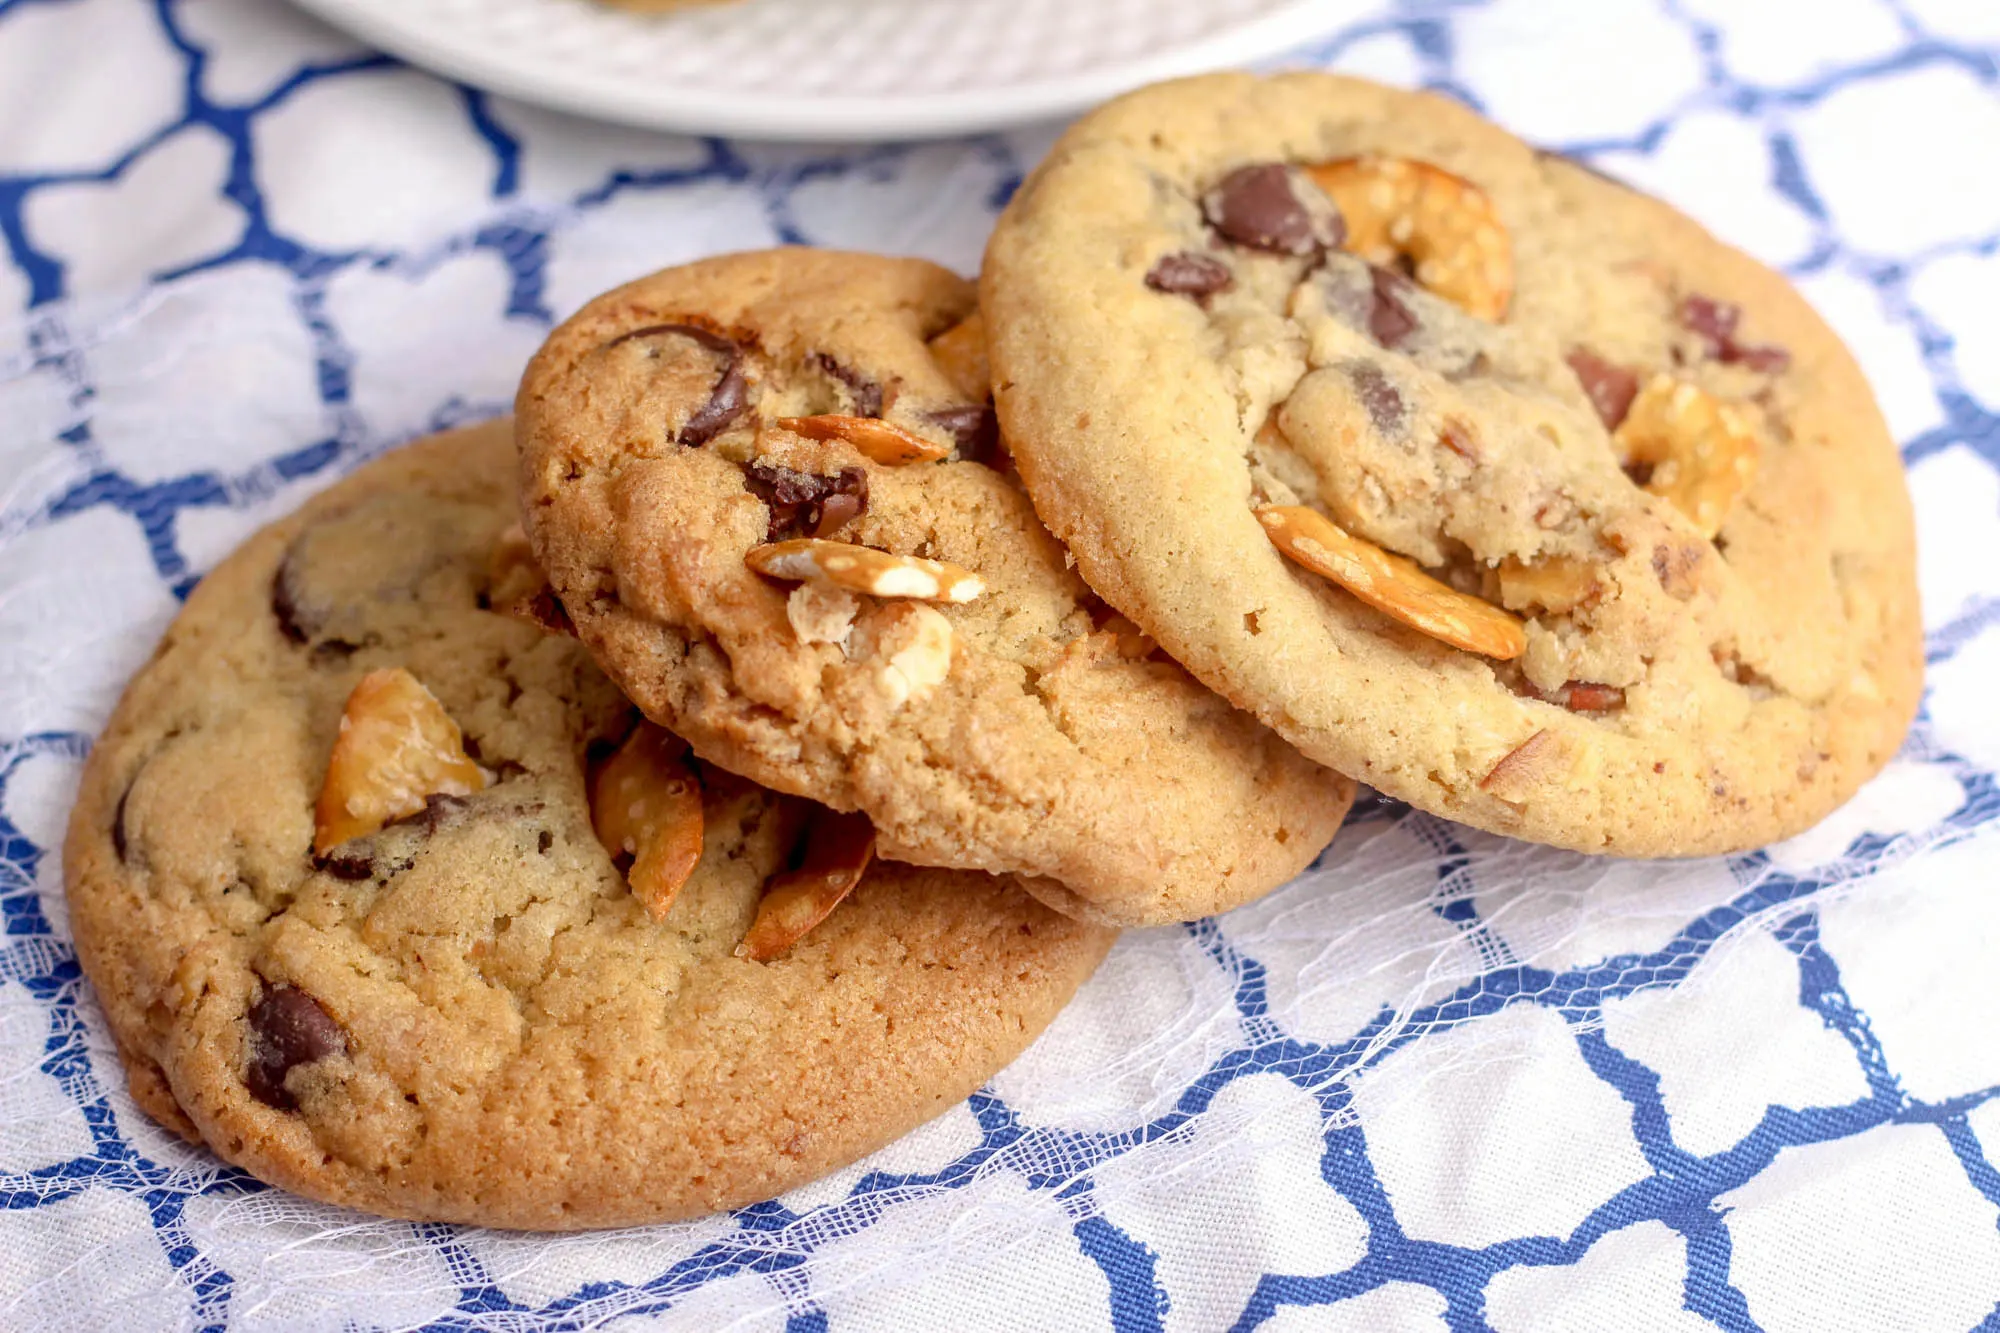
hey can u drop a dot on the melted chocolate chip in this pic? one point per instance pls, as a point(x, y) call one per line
point(805, 503)
point(867, 393)
point(729, 401)
point(1272, 206)
point(343, 863)
point(1714, 322)
point(708, 338)
point(1349, 295)
point(285, 605)
point(439, 810)
point(1764, 358)
point(543, 841)
point(1610, 388)
point(731, 395)
point(976, 430)
point(1389, 320)
point(1384, 404)
point(1189, 274)
point(118, 845)
point(288, 1028)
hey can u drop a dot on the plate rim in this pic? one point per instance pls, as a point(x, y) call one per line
point(819, 119)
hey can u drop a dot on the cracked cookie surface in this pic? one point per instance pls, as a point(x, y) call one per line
point(1478, 476)
point(773, 503)
point(467, 1014)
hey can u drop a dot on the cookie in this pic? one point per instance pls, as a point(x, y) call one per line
point(1477, 475)
point(768, 492)
point(463, 1012)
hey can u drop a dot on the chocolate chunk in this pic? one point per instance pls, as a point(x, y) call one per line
point(804, 503)
point(975, 429)
point(867, 393)
point(1389, 320)
point(543, 841)
point(288, 1028)
point(348, 864)
point(1349, 295)
point(1272, 206)
point(729, 401)
point(1189, 274)
point(1714, 322)
point(1384, 404)
point(118, 845)
point(1610, 388)
point(835, 512)
point(783, 486)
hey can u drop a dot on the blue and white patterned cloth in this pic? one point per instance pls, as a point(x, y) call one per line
point(1444, 1081)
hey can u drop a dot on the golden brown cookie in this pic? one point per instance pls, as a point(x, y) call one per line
point(768, 491)
point(466, 1014)
point(1477, 476)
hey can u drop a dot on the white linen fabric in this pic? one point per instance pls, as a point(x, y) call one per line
point(1443, 1081)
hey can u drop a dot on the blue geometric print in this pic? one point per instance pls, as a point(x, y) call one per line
point(1039, 1182)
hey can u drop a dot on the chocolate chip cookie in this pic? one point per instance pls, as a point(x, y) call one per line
point(768, 491)
point(383, 902)
point(1476, 475)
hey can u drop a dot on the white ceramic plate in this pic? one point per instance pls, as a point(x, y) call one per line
point(828, 69)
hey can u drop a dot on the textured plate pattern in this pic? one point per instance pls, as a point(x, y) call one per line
point(813, 69)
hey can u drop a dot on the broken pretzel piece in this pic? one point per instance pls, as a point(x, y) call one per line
point(397, 748)
point(865, 569)
point(1444, 225)
point(646, 803)
point(1702, 451)
point(878, 441)
point(1555, 584)
point(1392, 584)
point(838, 850)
